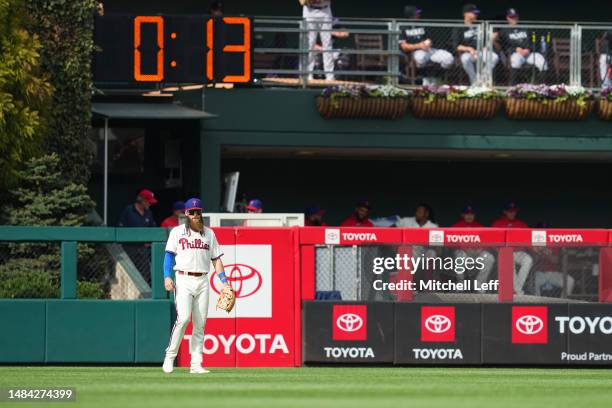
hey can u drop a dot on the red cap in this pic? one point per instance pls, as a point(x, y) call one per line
point(147, 195)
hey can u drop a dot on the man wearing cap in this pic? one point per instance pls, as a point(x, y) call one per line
point(468, 220)
point(138, 214)
point(360, 217)
point(314, 216)
point(172, 221)
point(255, 206)
point(521, 258)
point(466, 44)
point(414, 40)
point(515, 42)
point(190, 251)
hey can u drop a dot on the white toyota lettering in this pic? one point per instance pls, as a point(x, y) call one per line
point(463, 238)
point(359, 236)
point(245, 343)
point(579, 324)
point(348, 352)
point(441, 354)
point(557, 238)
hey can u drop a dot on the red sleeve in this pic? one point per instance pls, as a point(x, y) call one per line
point(523, 224)
point(368, 224)
point(347, 223)
point(497, 224)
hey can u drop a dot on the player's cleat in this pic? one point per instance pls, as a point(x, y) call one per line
point(198, 370)
point(168, 366)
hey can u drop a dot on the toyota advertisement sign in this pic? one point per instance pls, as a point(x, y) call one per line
point(348, 332)
point(437, 334)
point(260, 331)
point(405, 333)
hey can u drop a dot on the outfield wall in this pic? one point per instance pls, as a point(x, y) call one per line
point(273, 271)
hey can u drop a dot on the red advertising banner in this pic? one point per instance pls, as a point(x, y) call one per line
point(260, 331)
point(557, 237)
point(349, 236)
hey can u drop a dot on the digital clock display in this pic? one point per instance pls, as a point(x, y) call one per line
point(172, 49)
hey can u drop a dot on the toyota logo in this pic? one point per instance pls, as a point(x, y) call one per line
point(349, 322)
point(438, 323)
point(529, 324)
point(245, 279)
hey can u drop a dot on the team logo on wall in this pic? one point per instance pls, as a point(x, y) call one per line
point(530, 324)
point(249, 271)
point(349, 322)
point(438, 324)
point(332, 236)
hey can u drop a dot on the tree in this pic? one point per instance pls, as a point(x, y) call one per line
point(44, 197)
point(65, 29)
point(24, 91)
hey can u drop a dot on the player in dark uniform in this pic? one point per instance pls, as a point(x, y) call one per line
point(466, 44)
point(414, 40)
point(515, 42)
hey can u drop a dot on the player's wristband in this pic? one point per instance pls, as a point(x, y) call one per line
point(223, 278)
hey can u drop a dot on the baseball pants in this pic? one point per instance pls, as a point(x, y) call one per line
point(606, 79)
point(535, 58)
point(524, 261)
point(468, 61)
point(488, 261)
point(441, 57)
point(316, 20)
point(191, 299)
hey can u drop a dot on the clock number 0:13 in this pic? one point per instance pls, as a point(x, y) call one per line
point(244, 48)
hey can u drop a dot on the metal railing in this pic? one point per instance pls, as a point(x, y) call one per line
point(294, 51)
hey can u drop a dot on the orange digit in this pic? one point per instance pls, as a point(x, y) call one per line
point(209, 49)
point(245, 48)
point(159, 75)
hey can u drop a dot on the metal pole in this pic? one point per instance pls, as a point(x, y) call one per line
point(105, 219)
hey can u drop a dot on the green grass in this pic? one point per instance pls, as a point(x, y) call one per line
point(147, 387)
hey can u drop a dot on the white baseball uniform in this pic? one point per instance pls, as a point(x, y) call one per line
point(318, 16)
point(194, 253)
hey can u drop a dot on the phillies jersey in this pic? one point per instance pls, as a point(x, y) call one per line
point(194, 250)
point(504, 222)
point(463, 224)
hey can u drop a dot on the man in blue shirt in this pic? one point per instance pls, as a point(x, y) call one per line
point(139, 214)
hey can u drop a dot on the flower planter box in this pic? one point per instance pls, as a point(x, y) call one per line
point(551, 110)
point(362, 107)
point(475, 108)
point(604, 108)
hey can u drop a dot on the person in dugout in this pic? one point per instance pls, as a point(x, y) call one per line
point(521, 48)
point(468, 220)
point(415, 42)
point(522, 259)
point(360, 217)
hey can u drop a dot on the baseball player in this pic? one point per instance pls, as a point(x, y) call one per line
point(191, 247)
point(515, 41)
point(521, 258)
point(318, 16)
point(414, 40)
point(466, 42)
point(468, 220)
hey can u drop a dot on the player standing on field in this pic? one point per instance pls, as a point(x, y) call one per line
point(191, 247)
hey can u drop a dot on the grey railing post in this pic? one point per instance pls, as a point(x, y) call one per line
point(576, 55)
point(392, 57)
point(304, 52)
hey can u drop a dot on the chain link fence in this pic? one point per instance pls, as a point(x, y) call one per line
point(531, 53)
point(104, 270)
point(596, 53)
point(294, 51)
point(540, 273)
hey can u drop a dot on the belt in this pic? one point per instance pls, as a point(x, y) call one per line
point(191, 273)
point(318, 7)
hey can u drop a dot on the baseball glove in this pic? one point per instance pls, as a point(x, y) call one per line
point(227, 299)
